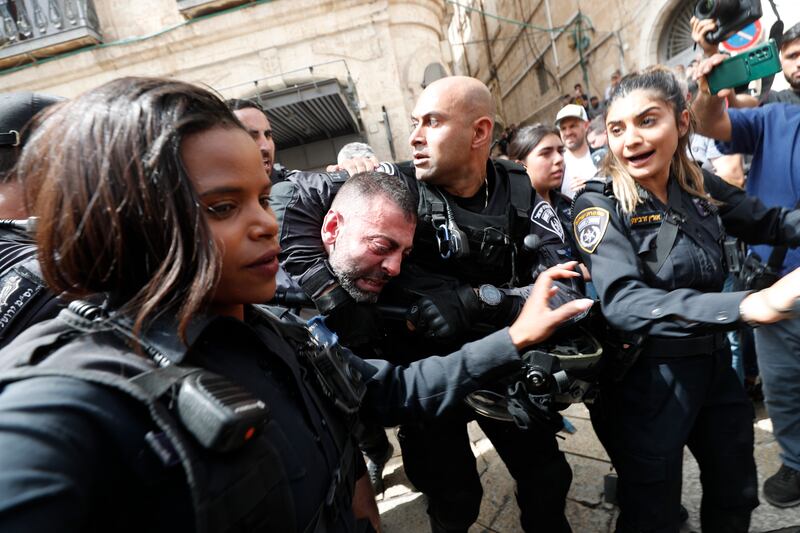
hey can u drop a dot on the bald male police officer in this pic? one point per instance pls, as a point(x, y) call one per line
point(473, 214)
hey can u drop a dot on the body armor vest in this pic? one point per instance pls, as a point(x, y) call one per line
point(243, 490)
point(492, 240)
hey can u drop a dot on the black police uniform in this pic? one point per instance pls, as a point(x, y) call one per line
point(437, 457)
point(81, 456)
point(682, 389)
point(562, 207)
point(24, 298)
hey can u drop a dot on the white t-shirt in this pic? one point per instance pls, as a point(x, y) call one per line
point(576, 167)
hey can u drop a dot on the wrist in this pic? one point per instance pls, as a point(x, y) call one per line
point(744, 312)
point(785, 311)
point(518, 337)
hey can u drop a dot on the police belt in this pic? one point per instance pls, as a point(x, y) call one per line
point(685, 346)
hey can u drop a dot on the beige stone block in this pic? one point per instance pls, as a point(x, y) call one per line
point(587, 480)
point(583, 442)
point(587, 519)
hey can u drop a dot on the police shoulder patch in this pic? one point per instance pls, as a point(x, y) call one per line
point(590, 225)
point(545, 217)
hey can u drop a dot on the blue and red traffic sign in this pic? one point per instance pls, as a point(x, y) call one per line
point(744, 38)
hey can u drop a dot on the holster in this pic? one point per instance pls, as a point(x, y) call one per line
point(621, 350)
point(755, 274)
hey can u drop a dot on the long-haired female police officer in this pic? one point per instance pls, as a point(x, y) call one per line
point(175, 405)
point(652, 241)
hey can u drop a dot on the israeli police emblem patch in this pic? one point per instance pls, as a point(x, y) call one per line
point(590, 226)
point(544, 216)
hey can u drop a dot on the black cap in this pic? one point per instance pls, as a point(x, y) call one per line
point(792, 34)
point(16, 110)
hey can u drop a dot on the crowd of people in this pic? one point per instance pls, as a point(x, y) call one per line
point(155, 374)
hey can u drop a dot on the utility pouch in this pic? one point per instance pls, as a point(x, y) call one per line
point(734, 255)
point(756, 275)
point(621, 351)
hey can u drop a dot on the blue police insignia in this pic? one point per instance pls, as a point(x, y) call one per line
point(590, 226)
point(543, 215)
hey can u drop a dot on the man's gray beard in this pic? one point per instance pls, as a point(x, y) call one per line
point(347, 279)
point(358, 295)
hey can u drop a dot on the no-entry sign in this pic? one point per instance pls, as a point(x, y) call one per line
point(744, 38)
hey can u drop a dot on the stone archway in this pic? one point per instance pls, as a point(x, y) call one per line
point(664, 21)
point(676, 46)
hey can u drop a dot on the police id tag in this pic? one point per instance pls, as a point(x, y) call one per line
point(544, 216)
point(17, 288)
point(590, 226)
point(646, 219)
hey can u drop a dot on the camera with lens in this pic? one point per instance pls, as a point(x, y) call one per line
point(730, 15)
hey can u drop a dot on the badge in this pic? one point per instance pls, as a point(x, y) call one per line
point(16, 291)
point(703, 207)
point(590, 226)
point(646, 219)
point(544, 216)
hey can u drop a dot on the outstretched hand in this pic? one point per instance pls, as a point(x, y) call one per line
point(774, 303)
point(536, 322)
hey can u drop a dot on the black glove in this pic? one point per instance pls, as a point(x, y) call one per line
point(358, 325)
point(445, 315)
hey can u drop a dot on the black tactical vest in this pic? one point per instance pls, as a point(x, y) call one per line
point(493, 240)
point(244, 490)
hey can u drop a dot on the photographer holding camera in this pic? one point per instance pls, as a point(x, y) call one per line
point(772, 135)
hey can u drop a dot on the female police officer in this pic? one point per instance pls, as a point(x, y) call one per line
point(652, 241)
point(540, 150)
point(175, 405)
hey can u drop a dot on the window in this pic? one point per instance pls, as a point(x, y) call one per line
point(542, 77)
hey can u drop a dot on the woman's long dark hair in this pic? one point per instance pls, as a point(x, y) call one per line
point(526, 139)
point(117, 212)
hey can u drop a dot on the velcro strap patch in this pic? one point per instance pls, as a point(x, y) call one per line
point(646, 219)
point(590, 226)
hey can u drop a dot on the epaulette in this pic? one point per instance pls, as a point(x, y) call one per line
point(598, 184)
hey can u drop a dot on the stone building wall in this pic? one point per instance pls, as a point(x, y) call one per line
point(529, 69)
point(383, 46)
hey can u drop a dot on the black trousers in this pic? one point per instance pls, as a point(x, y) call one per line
point(372, 440)
point(645, 421)
point(439, 462)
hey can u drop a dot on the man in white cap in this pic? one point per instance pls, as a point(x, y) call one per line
point(572, 123)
